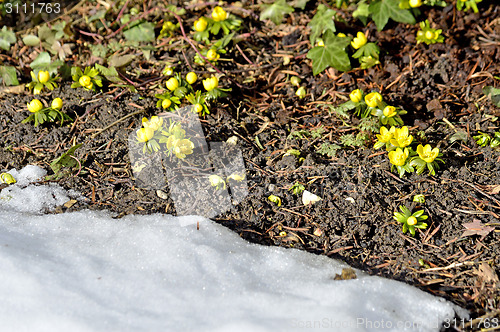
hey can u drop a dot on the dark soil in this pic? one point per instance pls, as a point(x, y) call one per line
point(439, 85)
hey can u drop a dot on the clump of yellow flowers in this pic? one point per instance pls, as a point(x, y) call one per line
point(40, 114)
point(402, 157)
point(41, 80)
point(153, 133)
point(373, 104)
point(219, 19)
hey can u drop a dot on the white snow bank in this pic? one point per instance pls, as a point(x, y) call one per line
point(86, 271)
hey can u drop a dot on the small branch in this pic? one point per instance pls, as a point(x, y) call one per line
point(117, 121)
point(243, 54)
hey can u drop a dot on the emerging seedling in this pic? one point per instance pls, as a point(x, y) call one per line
point(428, 35)
point(89, 79)
point(410, 221)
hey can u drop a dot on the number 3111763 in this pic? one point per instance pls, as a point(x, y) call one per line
point(41, 7)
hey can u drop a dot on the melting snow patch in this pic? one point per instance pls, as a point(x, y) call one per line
point(86, 271)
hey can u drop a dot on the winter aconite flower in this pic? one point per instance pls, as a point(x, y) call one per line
point(34, 106)
point(385, 134)
point(200, 24)
point(172, 84)
point(212, 55)
point(86, 82)
point(426, 153)
point(198, 108)
point(356, 96)
point(57, 104)
point(180, 147)
point(145, 134)
point(166, 103)
point(410, 221)
point(155, 123)
point(401, 137)
point(390, 111)
point(7, 178)
point(191, 77)
point(43, 76)
point(428, 35)
point(210, 83)
point(359, 41)
point(373, 99)
point(415, 3)
point(217, 182)
point(219, 14)
point(398, 157)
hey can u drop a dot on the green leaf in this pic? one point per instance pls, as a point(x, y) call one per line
point(382, 10)
point(31, 40)
point(276, 11)
point(7, 37)
point(321, 22)
point(141, 33)
point(332, 54)
point(362, 12)
point(8, 75)
point(42, 60)
point(370, 49)
point(110, 73)
point(299, 3)
point(493, 94)
point(120, 60)
point(65, 159)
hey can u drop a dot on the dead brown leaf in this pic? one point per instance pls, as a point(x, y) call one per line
point(477, 228)
point(487, 273)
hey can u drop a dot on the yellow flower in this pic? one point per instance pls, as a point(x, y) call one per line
point(320, 43)
point(341, 35)
point(191, 77)
point(172, 84)
point(168, 71)
point(212, 55)
point(198, 108)
point(180, 147)
point(200, 24)
point(401, 137)
point(57, 104)
point(210, 83)
point(145, 134)
point(155, 123)
point(217, 182)
point(373, 99)
point(426, 153)
point(415, 3)
point(166, 103)
point(390, 111)
point(399, 156)
point(236, 177)
point(43, 76)
point(219, 14)
point(356, 95)
point(386, 135)
point(359, 40)
point(301, 92)
point(85, 81)
point(34, 106)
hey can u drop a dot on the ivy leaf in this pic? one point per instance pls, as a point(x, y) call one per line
point(370, 49)
point(300, 4)
point(8, 75)
point(493, 94)
point(332, 54)
point(7, 37)
point(141, 33)
point(321, 22)
point(275, 11)
point(382, 10)
point(362, 12)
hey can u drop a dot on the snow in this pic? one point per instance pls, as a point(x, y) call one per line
point(85, 271)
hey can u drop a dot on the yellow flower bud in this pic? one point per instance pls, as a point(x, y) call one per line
point(57, 104)
point(301, 92)
point(415, 3)
point(210, 83)
point(359, 40)
point(341, 35)
point(320, 43)
point(172, 84)
point(219, 14)
point(356, 96)
point(390, 111)
point(430, 35)
point(34, 106)
point(145, 134)
point(200, 24)
point(217, 182)
point(295, 80)
point(168, 71)
point(43, 76)
point(411, 220)
point(198, 108)
point(426, 153)
point(166, 103)
point(85, 81)
point(373, 99)
point(191, 77)
point(7, 178)
point(212, 55)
